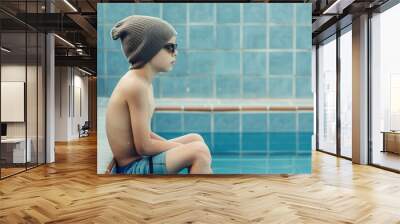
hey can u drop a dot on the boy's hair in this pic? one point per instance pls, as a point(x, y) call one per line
point(142, 37)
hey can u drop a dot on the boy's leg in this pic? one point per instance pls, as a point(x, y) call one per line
point(187, 138)
point(195, 155)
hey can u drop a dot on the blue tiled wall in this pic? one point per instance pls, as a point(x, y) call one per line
point(238, 50)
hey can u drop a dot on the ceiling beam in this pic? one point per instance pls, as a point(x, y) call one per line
point(337, 7)
point(82, 61)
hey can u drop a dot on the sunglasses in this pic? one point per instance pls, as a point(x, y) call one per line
point(170, 47)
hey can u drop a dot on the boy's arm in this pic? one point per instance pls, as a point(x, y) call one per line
point(139, 112)
point(155, 136)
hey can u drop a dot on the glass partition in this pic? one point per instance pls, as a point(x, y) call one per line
point(31, 98)
point(327, 96)
point(14, 154)
point(22, 90)
point(41, 106)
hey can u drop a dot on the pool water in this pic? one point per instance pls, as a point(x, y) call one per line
point(274, 164)
point(257, 153)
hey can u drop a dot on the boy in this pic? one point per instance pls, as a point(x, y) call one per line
point(149, 44)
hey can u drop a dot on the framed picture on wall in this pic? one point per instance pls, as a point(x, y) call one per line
point(201, 88)
point(12, 101)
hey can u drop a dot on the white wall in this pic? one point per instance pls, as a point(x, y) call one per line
point(68, 83)
point(16, 72)
point(61, 103)
point(80, 82)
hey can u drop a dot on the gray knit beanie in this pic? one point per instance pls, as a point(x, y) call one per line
point(142, 37)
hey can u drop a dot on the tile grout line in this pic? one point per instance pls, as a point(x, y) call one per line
point(241, 85)
point(241, 81)
point(187, 42)
point(294, 54)
point(295, 72)
point(214, 74)
point(267, 37)
point(266, 75)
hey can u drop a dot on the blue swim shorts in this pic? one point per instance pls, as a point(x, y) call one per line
point(146, 165)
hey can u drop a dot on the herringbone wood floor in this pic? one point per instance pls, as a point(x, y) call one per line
point(70, 191)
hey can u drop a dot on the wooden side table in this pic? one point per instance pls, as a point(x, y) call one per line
point(391, 141)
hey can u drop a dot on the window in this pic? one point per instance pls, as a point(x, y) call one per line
point(346, 92)
point(385, 89)
point(327, 96)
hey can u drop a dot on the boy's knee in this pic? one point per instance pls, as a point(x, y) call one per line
point(203, 158)
point(202, 151)
point(196, 137)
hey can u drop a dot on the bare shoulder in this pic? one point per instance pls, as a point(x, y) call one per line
point(129, 84)
point(133, 88)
